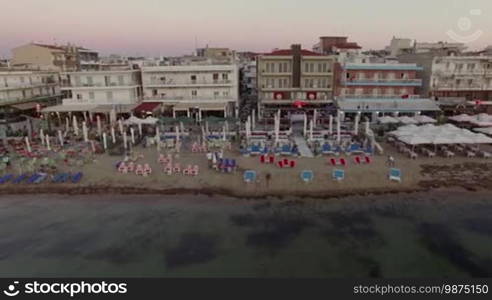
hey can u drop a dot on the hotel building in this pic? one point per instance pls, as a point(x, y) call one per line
point(294, 81)
point(195, 91)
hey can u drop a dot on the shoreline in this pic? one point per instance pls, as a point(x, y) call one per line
point(211, 192)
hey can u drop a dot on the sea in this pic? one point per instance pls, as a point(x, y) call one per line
point(443, 233)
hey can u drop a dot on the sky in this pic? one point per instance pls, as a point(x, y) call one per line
point(164, 27)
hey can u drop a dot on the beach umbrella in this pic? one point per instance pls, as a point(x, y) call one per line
point(84, 132)
point(132, 133)
point(339, 137)
point(48, 146)
point(414, 140)
point(99, 127)
point(85, 116)
point(41, 135)
point(125, 139)
point(248, 129)
point(28, 145)
point(407, 120)
point(157, 137)
point(224, 136)
point(120, 126)
point(113, 135)
point(367, 126)
point(388, 120)
point(177, 133)
point(93, 146)
point(112, 116)
point(75, 126)
point(67, 124)
point(315, 116)
point(60, 137)
point(487, 130)
point(304, 128)
point(424, 119)
point(461, 118)
point(105, 141)
point(206, 127)
point(181, 126)
point(277, 128)
point(140, 129)
point(482, 139)
point(356, 124)
point(311, 129)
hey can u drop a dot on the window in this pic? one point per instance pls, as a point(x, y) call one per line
point(311, 68)
point(121, 80)
point(109, 96)
point(79, 97)
point(320, 68)
point(216, 93)
point(225, 93)
point(225, 76)
point(280, 67)
point(194, 93)
point(215, 76)
point(324, 68)
point(286, 67)
point(306, 67)
point(193, 77)
point(268, 67)
point(91, 95)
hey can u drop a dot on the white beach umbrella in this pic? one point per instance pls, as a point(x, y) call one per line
point(60, 137)
point(304, 128)
point(415, 140)
point(407, 120)
point(113, 135)
point(315, 116)
point(311, 129)
point(41, 135)
point(48, 145)
point(112, 116)
point(99, 127)
point(125, 140)
point(339, 128)
point(28, 145)
point(482, 139)
point(424, 119)
point(84, 132)
point(486, 130)
point(177, 133)
point(388, 120)
point(75, 126)
point(356, 124)
point(461, 118)
point(105, 141)
point(132, 133)
point(140, 129)
point(253, 120)
point(93, 146)
point(224, 134)
point(120, 126)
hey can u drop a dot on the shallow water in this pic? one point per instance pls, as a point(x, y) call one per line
point(407, 235)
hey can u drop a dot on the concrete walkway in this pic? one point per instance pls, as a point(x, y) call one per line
point(304, 150)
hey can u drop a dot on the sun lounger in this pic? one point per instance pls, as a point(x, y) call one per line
point(471, 154)
point(6, 178)
point(343, 162)
point(41, 178)
point(194, 171)
point(77, 177)
point(292, 163)
point(357, 160)
point(33, 178)
point(168, 169)
point(19, 178)
point(485, 154)
point(338, 174)
point(249, 176)
point(177, 168)
point(307, 175)
point(333, 162)
point(139, 170)
point(395, 175)
point(147, 169)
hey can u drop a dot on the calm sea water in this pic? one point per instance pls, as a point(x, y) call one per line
point(433, 234)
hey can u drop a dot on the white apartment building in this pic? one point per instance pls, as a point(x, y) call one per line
point(101, 88)
point(28, 88)
point(248, 78)
point(193, 90)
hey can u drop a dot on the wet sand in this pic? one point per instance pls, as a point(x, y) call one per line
point(443, 233)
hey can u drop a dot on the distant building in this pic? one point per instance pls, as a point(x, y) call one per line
point(195, 91)
point(26, 89)
point(468, 77)
point(54, 58)
point(375, 88)
point(335, 45)
point(294, 80)
point(401, 46)
point(217, 54)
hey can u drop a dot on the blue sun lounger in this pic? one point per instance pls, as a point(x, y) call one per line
point(33, 178)
point(41, 178)
point(286, 150)
point(249, 176)
point(6, 178)
point(326, 149)
point(19, 179)
point(395, 175)
point(338, 174)
point(77, 177)
point(307, 175)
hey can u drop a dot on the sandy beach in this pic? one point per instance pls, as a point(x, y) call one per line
point(418, 175)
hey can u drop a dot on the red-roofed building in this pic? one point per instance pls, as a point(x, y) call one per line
point(289, 76)
point(335, 45)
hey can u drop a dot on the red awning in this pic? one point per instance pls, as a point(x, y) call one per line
point(147, 106)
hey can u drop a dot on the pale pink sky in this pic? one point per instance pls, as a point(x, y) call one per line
point(164, 27)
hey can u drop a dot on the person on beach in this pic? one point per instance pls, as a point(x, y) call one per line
point(391, 161)
point(268, 176)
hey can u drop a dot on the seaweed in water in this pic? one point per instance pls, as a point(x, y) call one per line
point(193, 248)
point(439, 240)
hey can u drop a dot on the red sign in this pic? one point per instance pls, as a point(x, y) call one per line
point(299, 103)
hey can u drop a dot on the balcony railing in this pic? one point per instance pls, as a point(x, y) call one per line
point(190, 98)
point(372, 96)
point(463, 87)
point(96, 85)
point(190, 82)
point(364, 81)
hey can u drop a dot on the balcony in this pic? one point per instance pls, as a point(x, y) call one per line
point(26, 86)
point(176, 99)
point(68, 85)
point(372, 96)
point(190, 83)
point(454, 87)
point(382, 82)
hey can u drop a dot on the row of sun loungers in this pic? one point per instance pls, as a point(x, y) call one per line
point(38, 178)
point(328, 149)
